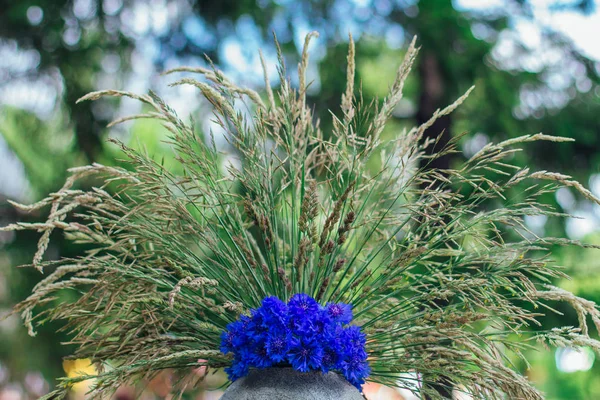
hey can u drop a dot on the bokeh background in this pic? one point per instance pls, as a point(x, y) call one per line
point(535, 64)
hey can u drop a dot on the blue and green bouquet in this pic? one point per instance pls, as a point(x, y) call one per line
point(294, 246)
point(303, 334)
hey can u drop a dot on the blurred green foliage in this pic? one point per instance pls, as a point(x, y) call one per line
point(82, 45)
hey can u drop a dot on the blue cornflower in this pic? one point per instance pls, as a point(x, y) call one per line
point(303, 310)
point(321, 324)
point(305, 354)
point(238, 331)
point(277, 346)
point(330, 359)
point(340, 312)
point(333, 349)
point(352, 338)
point(259, 357)
point(302, 305)
point(355, 369)
point(257, 325)
point(227, 342)
point(240, 365)
point(273, 312)
point(237, 370)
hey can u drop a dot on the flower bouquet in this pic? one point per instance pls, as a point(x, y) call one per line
point(301, 335)
point(314, 258)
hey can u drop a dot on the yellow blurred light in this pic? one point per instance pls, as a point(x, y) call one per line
point(80, 367)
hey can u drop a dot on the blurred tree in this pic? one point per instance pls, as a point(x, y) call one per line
point(78, 38)
point(460, 47)
point(75, 44)
point(70, 38)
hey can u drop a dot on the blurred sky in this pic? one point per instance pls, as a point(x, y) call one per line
point(584, 30)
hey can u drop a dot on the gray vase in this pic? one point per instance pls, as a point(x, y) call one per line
point(288, 384)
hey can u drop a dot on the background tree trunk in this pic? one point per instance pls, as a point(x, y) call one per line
point(431, 98)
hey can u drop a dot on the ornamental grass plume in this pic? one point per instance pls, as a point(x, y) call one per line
point(442, 274)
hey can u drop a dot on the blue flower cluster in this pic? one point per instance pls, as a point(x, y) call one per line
point(303, 334)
